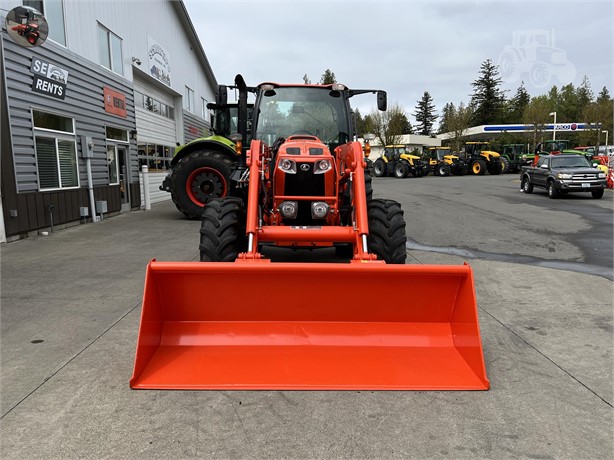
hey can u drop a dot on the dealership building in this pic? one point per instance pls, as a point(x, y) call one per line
point(115, 87)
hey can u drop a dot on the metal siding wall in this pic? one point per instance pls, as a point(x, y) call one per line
point(132, 21)
point(84, 102)
point(194, 127)
point(154, 128)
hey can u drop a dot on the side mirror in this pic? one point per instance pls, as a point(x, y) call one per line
point(382, 100)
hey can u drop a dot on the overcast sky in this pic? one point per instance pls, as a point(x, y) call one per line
point(404, 47)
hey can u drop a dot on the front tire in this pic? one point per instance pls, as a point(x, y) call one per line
point(552, 190)
point(505, 165)
point(597, 194)
point(387, 236)
point(478, 167)
point(400, 170)
point(443, 170)
point(222, 230)
point(197, 178)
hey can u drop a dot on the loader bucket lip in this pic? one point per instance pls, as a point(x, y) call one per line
point(295, 340)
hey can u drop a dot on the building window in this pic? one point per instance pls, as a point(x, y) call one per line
point(153, 105)
point(188, 100)
point(56, 151)
point(156, 157)
point(116, 134)
point(53, 10)
point(110, 49)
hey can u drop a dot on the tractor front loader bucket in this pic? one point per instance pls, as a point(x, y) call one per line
point(297, 326)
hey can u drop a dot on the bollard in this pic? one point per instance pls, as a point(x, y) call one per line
point(145, 171)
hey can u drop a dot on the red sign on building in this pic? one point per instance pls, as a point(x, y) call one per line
point(114, 102)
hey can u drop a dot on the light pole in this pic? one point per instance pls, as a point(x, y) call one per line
point(553, 114)
point(606, 136)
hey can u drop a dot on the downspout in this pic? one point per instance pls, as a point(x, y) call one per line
point(90, 188)
point(87, 151)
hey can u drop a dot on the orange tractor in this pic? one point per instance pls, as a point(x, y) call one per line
point(237, 320)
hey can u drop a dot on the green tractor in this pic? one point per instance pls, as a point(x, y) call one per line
point(202, 168)
point(480, 158)
point(555, 147)
point(514, 156)
point(398, 162)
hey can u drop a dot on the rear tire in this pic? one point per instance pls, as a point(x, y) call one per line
point(379, 168)
point(527, 186)
point(387, 231)
point(222, 230)
point(597, 194)
point(197, 178)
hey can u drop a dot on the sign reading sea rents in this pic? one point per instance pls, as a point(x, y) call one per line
point(49, 79)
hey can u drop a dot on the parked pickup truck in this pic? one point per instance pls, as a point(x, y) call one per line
point(560, 174)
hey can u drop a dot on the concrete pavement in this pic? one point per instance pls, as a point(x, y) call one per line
point(69, 321)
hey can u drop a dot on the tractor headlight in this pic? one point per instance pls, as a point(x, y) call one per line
point(322, 166)
point(287, 166)
point(319, 209)
point(289, 209)
point(564, 176)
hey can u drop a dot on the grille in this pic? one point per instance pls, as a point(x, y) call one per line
point(304, 183)
point(584, 176)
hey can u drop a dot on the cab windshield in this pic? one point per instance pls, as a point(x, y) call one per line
point(288, 111)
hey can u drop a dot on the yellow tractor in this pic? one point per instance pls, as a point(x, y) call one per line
point(480, 159)
point(442, 162)
point(398, 162)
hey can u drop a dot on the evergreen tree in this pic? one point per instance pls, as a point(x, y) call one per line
point(568, 107)
point(306, 80)
point(518, 104)
point(425, 114)
point(604, 95)
point(328, 77)
point(488, 98)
